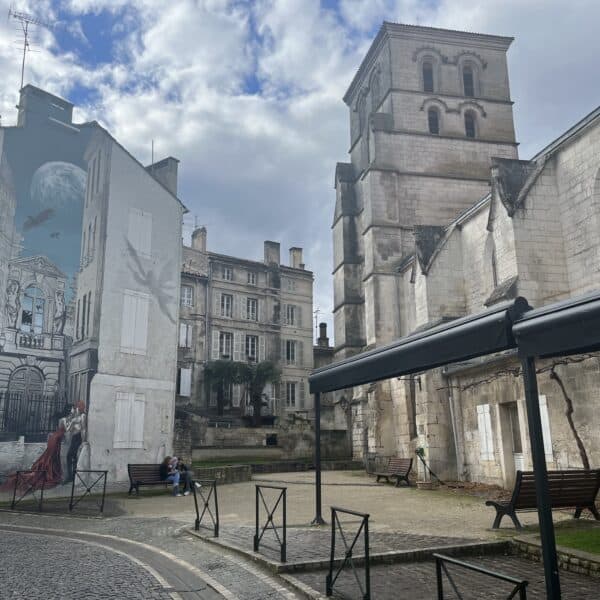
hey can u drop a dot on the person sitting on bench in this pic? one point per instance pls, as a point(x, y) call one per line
point(170, 472)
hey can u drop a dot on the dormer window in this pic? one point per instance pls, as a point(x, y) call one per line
point(468, 81)
point(433, 119)
point(470, 126)
point(428, 76)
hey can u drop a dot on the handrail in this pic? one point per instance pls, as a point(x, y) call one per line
point(270, 523)
point(88, 488)
point(197, 486)
point(364, 527)
point(440, 560)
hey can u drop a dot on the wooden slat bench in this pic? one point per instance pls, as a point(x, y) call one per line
point(398, 468)
point(568, 489)
point(144, 475)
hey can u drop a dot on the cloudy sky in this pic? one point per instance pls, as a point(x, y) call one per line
point(247, 93)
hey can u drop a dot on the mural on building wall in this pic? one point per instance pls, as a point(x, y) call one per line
point(43, 175)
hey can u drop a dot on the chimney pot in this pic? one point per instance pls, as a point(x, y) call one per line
point(296, 258)
point(272, 253)
point(199, 239)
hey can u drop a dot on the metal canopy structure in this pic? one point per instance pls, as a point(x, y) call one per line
point(569, 327)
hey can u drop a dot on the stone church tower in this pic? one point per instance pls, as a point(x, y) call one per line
point(429, 108)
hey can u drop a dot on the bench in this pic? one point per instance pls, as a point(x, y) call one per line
point(568, 489)
point(144, 475)
point(398, 468)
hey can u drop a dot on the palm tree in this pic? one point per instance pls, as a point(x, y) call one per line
point(256, 376)
point(218, 374)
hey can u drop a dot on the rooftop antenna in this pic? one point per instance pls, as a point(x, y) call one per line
point(26, 21)
point(316, 312)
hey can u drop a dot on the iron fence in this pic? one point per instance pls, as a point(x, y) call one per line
point(520, 585)
point(270, 522)
point(211, 486)
point(35, 484)
point(336, 525)
point(101, 477)
point(31, 415)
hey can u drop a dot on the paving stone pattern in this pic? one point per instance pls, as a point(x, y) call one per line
point(304, 544)
point(417, 581)
point(38, 566)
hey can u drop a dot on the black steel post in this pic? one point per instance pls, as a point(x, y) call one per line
point(541, 480)
point(318, 520)
point(12, 504)
point(216, 508)
point(197, 521)
point(329, 578)
point(256, 531)
point(367, 565)
point(103, 492)
point(438, 575)
point(283, 546)
point(72, 489)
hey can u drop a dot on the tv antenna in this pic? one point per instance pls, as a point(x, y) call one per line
point(316, 313)
point(26, 20)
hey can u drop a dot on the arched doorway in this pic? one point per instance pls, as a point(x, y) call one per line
point(26, 402)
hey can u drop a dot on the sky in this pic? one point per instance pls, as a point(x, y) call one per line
point(247, 94)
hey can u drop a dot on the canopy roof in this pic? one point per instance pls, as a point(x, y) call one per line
point(568, 327)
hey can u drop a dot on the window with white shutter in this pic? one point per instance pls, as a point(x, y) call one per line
point(251, 277)
point(226, 345)
point(261, 348)
point(139, 232)
point(134, 324)
point(290, 352)
point(251, 309)
point(290, 394)
point(226, 305)
point(237, 346)
point(546, 429)
point(215, 345)
point(185, 382)
point(290, 314)
point(301, 394)
point(486, 439)
point(130, 410)
point(185, 335)
point(252, 347)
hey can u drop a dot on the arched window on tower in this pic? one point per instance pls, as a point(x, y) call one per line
point(470, 125)
point(468, 81)
point(428, 76)
point(433, 120)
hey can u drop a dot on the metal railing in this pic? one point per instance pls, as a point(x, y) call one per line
point(270, 523)
point(88, 487)
point(31, 487)
point(31, 415)
point(520, 585)
point(336, 524)
point(211, 485)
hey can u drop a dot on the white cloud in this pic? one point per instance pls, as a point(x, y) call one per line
point(257, 162)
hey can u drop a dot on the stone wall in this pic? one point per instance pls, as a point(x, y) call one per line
point(18, 455)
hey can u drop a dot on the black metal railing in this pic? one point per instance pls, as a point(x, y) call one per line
point(31, 415)
point(206, 497)
point(31, 485)
point(100, 479)
point(336, 525)
point(520, 585)
point(270, 522)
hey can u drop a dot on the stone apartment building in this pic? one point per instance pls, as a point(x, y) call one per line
point(244, 310)
point(419, 239)
point(89, 255)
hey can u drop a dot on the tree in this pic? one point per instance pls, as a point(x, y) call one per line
point(256, 376)
point(218, 374)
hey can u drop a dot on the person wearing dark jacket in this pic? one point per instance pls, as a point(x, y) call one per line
point(169, 472)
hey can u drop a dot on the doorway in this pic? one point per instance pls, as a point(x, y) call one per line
point(512, 444)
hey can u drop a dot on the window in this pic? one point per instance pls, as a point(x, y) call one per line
point(184, 381)
point(546, 429)
point(290, 314)
point(252, 309)
point(486, 438)
point(227, 394)
point(290, 285)
point(139, 231)
point(32, 311)
point(227, 273)
point(134, 323)
point(428, 76)
point(185, 335)
point(251, 347)
point(470, 124)
point(226, 305)
point(433, 119)
point(468, 81)
point(187, 295)
point(251, 277)
point(129, 420)
point(225, 344)
point(290, 352)
point(290, 394)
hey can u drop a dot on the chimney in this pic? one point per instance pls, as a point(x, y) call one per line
point(296, 258)
point(199, 239)
point(323, 341)
point(272, 253)
point(38, 105)
point(165, 171)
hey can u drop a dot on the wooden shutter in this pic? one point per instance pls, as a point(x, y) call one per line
point(237, 342)
point(283, 355)
point(215, 344)
point(185, 382)
point(141, 323)
point(301, 393)
point(189, 330)
point(298, 316)
point(261, 348)
point(546, 428)
point(138, 409)
point(122, 420)
point(244, 307)
point(484, 424)
point(300, 353)
point(128, 323)
point(182, 335)
point(216, 304)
